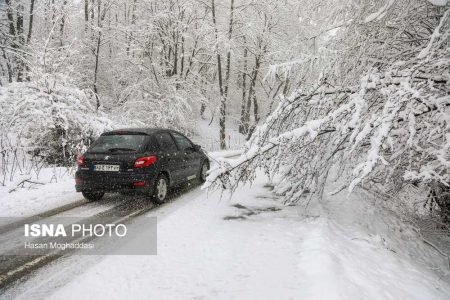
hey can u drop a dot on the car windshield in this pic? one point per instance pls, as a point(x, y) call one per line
point(118, 143)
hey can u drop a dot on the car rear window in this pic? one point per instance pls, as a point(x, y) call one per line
point(118, 143)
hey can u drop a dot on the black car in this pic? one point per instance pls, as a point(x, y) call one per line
point(144, 160)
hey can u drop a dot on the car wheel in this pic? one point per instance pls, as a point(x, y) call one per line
point(203, 171)
point(93, 196)
point(161, 189)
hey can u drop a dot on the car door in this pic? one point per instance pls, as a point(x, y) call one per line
point(170, 156)
point(191, 158)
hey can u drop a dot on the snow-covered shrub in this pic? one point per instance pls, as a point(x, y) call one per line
point(381, 116)
point(52, 119)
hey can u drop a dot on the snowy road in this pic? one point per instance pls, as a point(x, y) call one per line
point(252, 247)
point(113, 208)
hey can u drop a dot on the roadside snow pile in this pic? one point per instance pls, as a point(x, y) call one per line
point(31, 194)
point(252, 247)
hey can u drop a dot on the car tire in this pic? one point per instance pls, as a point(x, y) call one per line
point(93, 196)
point(203, 173)
point(160, 189)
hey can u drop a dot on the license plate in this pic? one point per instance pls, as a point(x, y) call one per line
point(107, 168)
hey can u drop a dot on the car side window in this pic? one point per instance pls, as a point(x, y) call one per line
point(165, 141)
point(182, 142)
point(152, 144)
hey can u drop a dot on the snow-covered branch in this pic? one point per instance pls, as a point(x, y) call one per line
point(392, 126)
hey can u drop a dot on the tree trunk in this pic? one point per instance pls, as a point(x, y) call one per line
point(86, 15)
point(253, 93)
point(224, 87)
point(252, 97)
point(93, 10)
point(9, 15)
point(30, 24)
point(246, 119)
point(255, 109)
point(129, 36)
point(230, 33)
point(30, 31)
point(12, 33)
point(61, 26)
point(244, 89)
point(97, 54)
point(182, 56)
point(219, 73)
point(19, 21)
point(21, 40)
point(175, 58)
point(191, 58)
point(8, 67)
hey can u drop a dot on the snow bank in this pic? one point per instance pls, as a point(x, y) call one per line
point(54, 187)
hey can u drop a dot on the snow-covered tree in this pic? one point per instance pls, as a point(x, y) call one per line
point(378, 112)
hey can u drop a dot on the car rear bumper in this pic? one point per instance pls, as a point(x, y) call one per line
point(106, 182)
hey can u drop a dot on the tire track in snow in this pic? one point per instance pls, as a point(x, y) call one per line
point(20, 268)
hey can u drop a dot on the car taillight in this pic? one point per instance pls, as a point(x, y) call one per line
point(80, 160)
point(145, 161)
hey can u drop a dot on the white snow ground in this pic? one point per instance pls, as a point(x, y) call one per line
point(211, 248)
point(57, 189)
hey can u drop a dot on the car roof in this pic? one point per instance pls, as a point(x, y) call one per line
point(145, 131)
